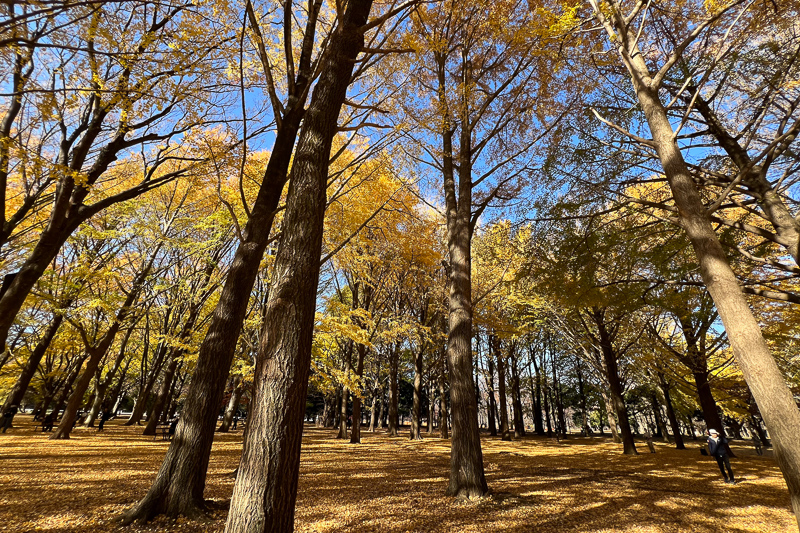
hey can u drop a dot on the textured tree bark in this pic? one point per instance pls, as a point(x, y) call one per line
point(233, 405)
point(180, 483)
point(266, 488)
point(750, 350)
point(467, 477)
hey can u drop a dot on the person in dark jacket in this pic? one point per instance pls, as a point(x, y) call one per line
point(716, 448)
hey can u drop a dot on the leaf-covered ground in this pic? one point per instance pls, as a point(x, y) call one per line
point(394, 485)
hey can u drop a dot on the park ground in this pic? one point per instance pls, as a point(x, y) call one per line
point(393, 485)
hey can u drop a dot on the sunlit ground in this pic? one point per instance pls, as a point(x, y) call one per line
point(393, 485)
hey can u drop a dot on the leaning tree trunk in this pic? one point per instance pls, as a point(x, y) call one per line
point(750, 350)
point(98, 351)
point(233, 405)
point(266, 488)
point(673, 420)
point(105, 383)
point(29, 370)
point(180, 482)
point(615, 385)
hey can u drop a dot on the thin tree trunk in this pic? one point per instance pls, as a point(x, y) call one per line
point(394, 357)
point(416, 413)
point(494, 346)
point(443, 418)
point(29, 370)
point(536, 397)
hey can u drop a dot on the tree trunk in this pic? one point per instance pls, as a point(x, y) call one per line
point(416, 413)
point(491, 405)
point(516, 398)
point(394, 362)
point(750, 350)
point(163, 395)
point(536, 397)
point(233, 405)
point(612, 419)
point(29, 370)
point(105, 383)
point(662, 427)
point(355, 433)
point(673, 420)
point(266, 487)
point(431, 406)
point(615, 385)
point(494, 344)
point(443, 418)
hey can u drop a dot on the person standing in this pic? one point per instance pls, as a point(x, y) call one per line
point(716, 448)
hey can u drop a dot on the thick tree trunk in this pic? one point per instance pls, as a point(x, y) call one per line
point(180, 483)
point(467, 477)
point(750, 350)
point(266, 488)
point(416, 413)
point(612, 419)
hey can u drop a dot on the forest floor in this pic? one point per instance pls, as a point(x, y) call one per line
point(393, 485)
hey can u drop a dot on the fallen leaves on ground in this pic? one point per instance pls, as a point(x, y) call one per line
point(392, 484)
